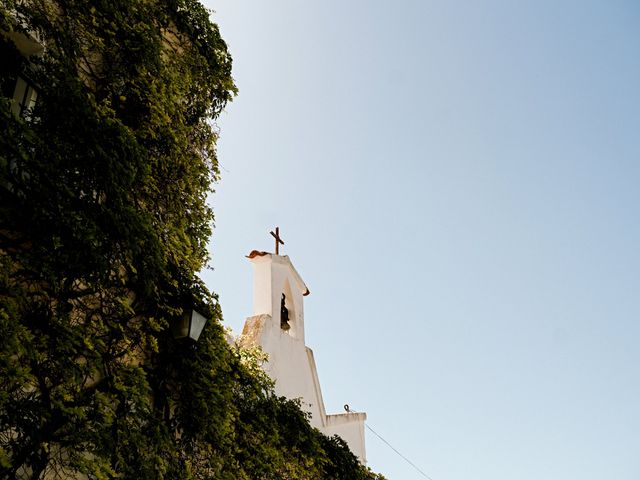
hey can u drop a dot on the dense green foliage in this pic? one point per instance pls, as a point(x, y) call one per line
point(103, 227)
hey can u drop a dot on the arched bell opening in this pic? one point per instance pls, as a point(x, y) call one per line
point(288, 317)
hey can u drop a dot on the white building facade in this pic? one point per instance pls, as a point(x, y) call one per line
point(277, 326)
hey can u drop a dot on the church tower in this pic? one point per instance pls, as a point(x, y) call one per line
point(278, 291)
point(277, 327)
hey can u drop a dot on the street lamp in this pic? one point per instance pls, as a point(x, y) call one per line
point(189, 326)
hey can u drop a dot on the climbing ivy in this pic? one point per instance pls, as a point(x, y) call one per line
point(103, 228)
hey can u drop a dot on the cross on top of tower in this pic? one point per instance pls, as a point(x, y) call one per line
point(278, 240)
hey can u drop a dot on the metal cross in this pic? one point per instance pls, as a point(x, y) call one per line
point(278, 240)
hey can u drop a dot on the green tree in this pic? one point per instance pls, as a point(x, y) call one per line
point(103, 228)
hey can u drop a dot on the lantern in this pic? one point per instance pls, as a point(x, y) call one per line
point(189, 326)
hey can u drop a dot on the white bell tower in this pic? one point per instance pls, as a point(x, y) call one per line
point(277, 285)
point(277, 327)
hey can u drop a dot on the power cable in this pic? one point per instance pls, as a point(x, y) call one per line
point(348, 410)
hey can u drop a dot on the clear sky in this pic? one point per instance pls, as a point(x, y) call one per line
point(459, 185)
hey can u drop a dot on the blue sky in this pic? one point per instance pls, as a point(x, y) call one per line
point(458, 184)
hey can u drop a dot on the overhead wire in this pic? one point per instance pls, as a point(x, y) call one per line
point(418, 469)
